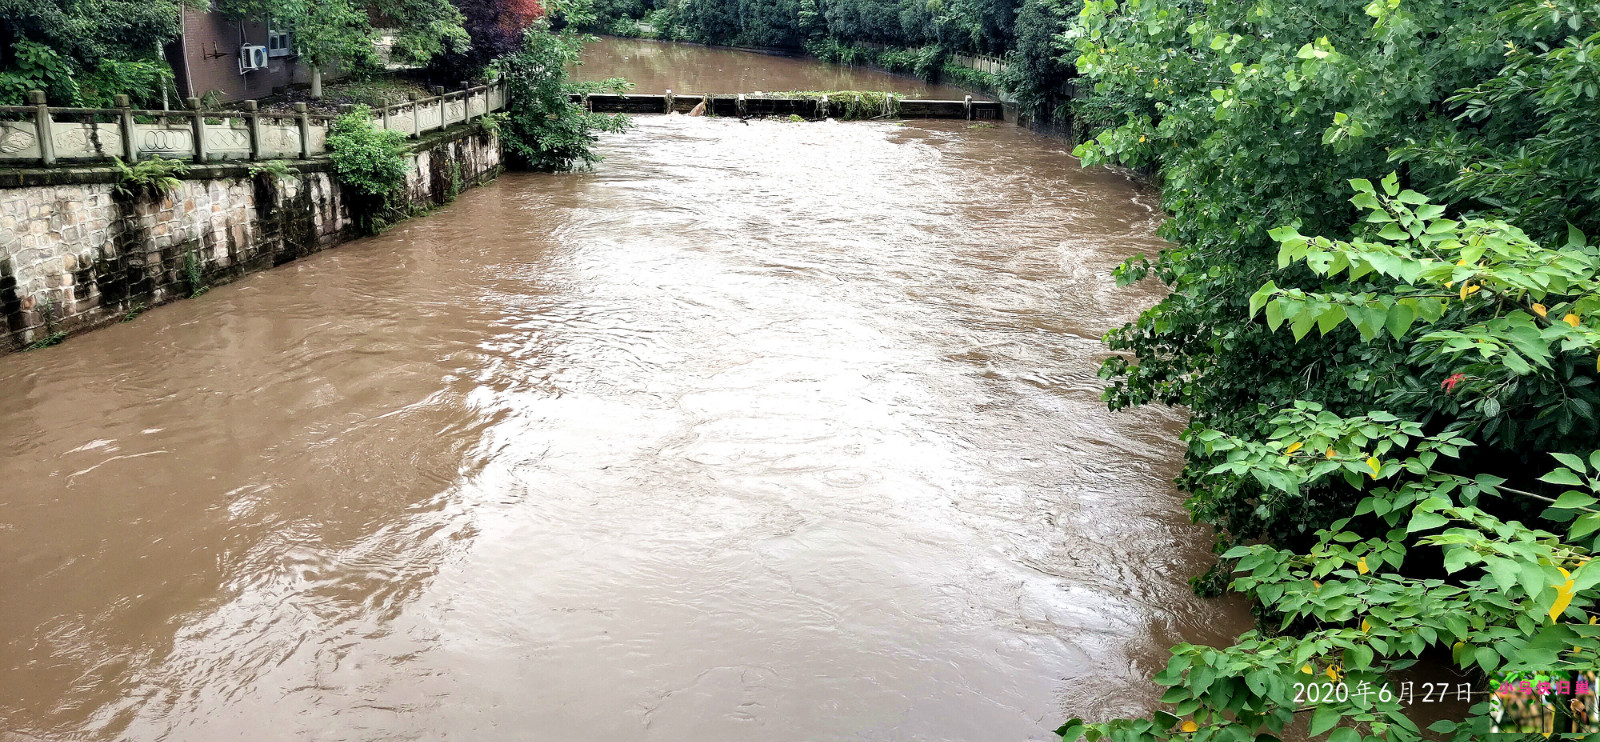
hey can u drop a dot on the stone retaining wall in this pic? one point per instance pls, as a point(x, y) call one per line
point(74, 254)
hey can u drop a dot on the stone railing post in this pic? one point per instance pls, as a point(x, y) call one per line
point(41, 120)
point(130, 147)
point(669, 99)
point(198, 126)
point(386, 113)
point(305, 130)
point(416, 116)
point(967, 107)
point(252, 120)
point(739, 106)
point(438, 96)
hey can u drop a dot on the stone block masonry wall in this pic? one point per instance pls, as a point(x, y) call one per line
point(74, 254)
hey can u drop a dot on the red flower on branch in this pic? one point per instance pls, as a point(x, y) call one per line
point(1450, 382)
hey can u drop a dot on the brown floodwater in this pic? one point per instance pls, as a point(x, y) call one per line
point(760, 430)
point(658, 66)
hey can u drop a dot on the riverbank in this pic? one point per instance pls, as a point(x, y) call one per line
point(77, 253)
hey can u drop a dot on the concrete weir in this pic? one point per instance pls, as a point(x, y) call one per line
point(812, 106)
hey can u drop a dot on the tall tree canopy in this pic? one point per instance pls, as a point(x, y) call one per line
point(82, 53)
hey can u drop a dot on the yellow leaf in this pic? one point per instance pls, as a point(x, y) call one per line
point(1449, 284)
point(1316, 584)
point(1464, 291)
point(1330, 453)
point(1332, 673)
point(1563, 595)
point(1540, 310)
point(1294, 447)
point(1190, 726)
point(1365, 627)
point(1361, 565)
point(1462, 261)
point(1375, 465)
point(1473, 289)
point(1306, 669)
point(1571, 319)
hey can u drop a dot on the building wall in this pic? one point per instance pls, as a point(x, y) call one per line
point(210, 61)
point(76, 256)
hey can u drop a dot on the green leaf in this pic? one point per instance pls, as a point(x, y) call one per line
point(1275, 314)
point(1344, 734)
point(1071, 730)
point(1487, 658)
point(1399, 319)
point(1330, 318)
point(1573, 500)
point(1425, 521)
point(1571, 462)
point(1563, 476)
point(1584, 525)
point(1260, 297)
point(1323, 719)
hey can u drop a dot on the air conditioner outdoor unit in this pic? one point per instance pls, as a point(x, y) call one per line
point(252, 58)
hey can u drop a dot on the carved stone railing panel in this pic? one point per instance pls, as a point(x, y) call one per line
point(430, 114)
point(280, 140)
point(230, 141)
point(168, 141)
point(319, 138)
point(86, 141)
point(19, 140)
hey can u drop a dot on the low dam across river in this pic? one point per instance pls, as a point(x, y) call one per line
point(813, 106)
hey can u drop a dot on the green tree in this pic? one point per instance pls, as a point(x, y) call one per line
point(1252, 118)
point(427, 29)
point(329, 32)
point(544, 129)
point(85, 53)
point(1511, 595)
point(370, 164)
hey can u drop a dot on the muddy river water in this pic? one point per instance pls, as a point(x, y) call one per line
point(765, 430)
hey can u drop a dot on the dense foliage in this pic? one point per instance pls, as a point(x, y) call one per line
point(543, 129)
point(495, 29)
point(84, 53)
point(343, 32)
point(370, 164)
point(1417, 366)
point(913, 36)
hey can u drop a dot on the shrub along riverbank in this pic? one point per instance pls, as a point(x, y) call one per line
point(1383, 313)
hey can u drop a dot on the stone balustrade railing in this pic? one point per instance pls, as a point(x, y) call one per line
point(39, 134)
